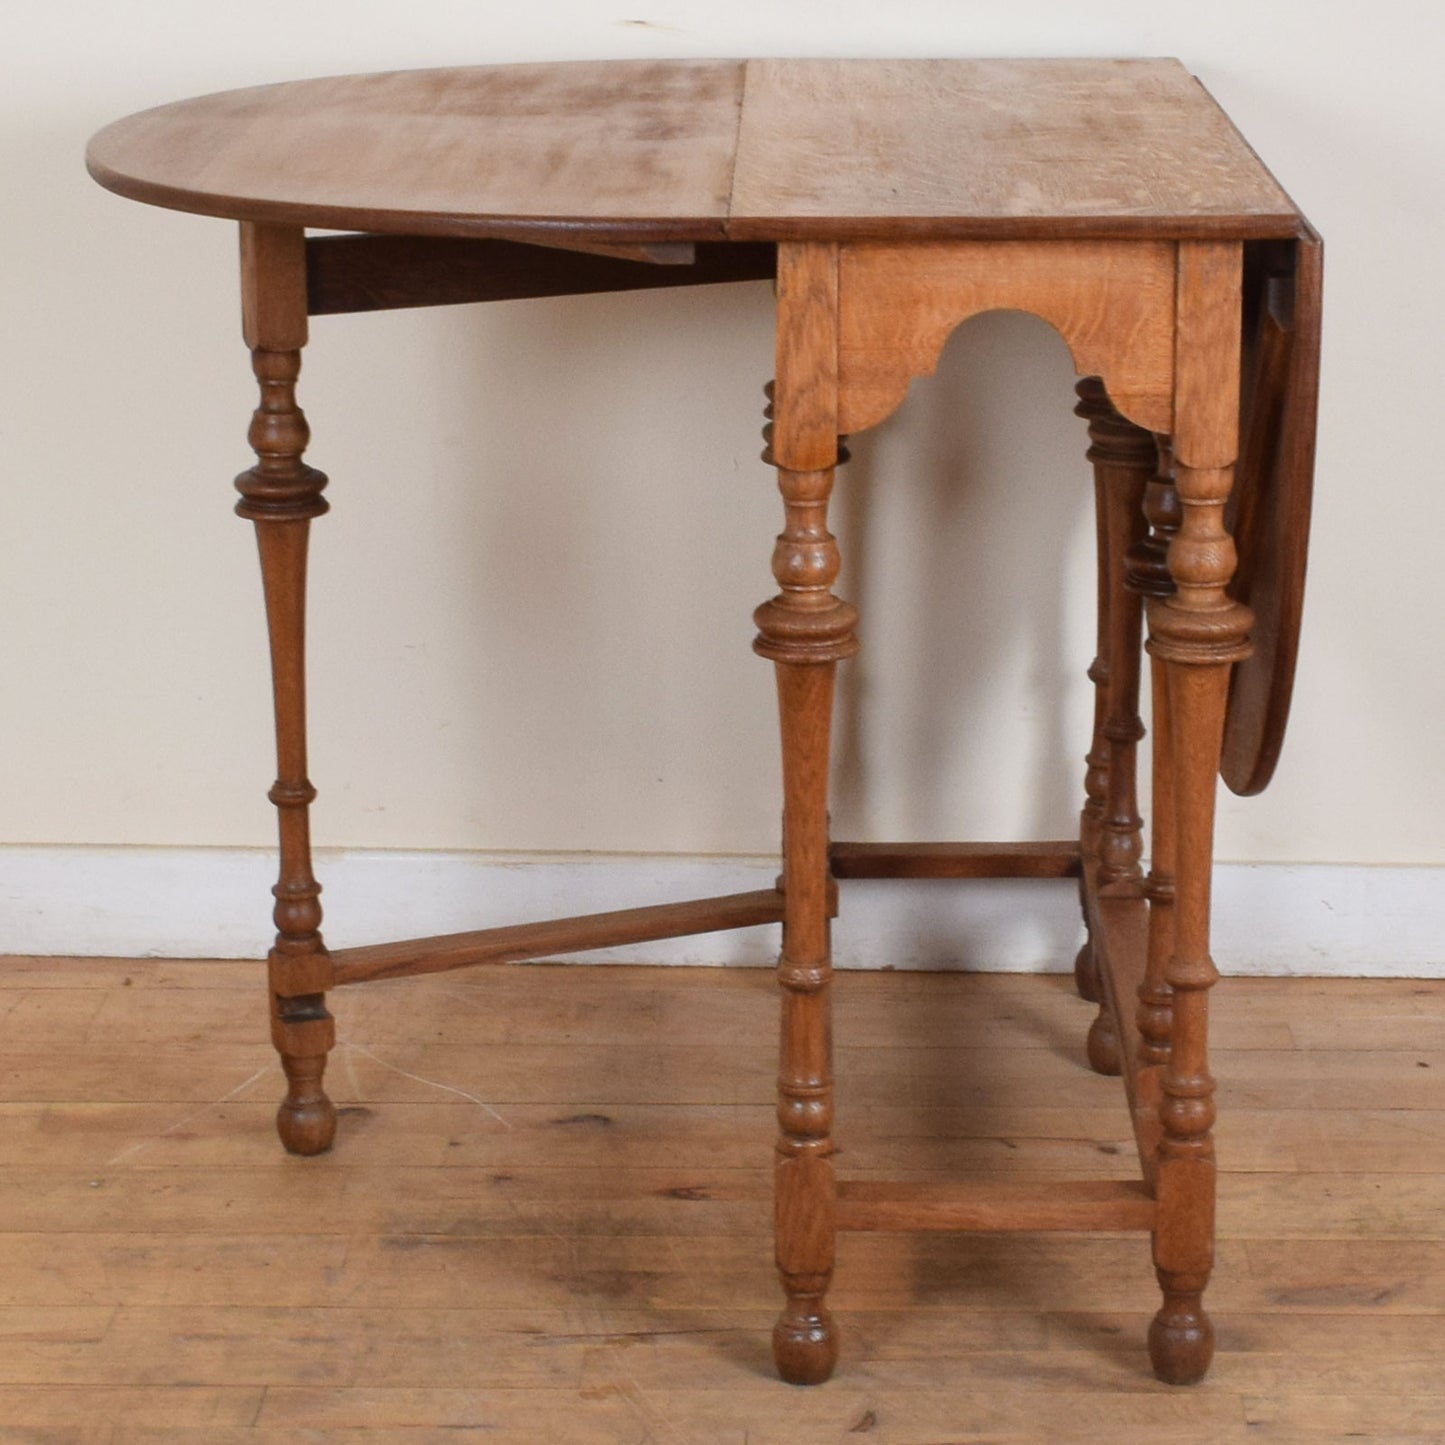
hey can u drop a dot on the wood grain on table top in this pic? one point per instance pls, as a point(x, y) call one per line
point(704, 150)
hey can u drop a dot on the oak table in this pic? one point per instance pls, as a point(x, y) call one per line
point(891, 200)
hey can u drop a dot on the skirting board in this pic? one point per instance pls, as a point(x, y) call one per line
point(1317, 919)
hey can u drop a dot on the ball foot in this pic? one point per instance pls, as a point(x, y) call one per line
point(1103, 1045)
point(805, 1346)
point(1181, 1343)
point(307, 1128)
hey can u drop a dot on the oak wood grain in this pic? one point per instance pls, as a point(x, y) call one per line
point(992, 149)
point(955, 860)
point(281, 494)
point(1111, 301)
point(805, 631)
point(663, 151)
point(992, 1205)
point(518, 942)
point(624, 151)
point(1270, 511)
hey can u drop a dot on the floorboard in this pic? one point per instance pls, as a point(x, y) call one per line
point(546, 1218)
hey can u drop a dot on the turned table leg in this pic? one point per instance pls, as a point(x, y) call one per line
point(1149, 576)
point(805, 631)
point(1096, 761)
point(281, 494)
point(1125, 458)
point(1199, 632)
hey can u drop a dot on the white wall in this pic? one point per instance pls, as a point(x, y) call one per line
point(550, 525)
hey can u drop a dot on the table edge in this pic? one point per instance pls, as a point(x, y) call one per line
point(548, 230)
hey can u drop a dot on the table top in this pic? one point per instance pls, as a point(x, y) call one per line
point(696, 150)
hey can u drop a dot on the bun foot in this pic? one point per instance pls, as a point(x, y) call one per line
point(1086, 973)
point(805, 1346)
point(1103, 1045)
point(1181, 1343)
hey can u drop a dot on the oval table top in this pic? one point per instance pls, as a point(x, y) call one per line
point(693, 150)
point(621, 153)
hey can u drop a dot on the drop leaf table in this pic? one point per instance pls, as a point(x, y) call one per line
point(890, 200)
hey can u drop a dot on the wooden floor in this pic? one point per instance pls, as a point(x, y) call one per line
point(546, 1218)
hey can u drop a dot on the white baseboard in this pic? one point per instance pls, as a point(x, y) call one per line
point(214, 903)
